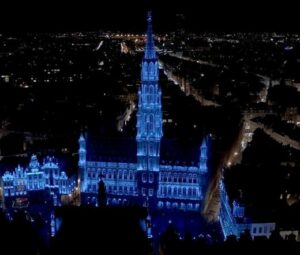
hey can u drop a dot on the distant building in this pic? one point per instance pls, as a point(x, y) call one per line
point(48, 177)
point(233, 219)
point(286, 234)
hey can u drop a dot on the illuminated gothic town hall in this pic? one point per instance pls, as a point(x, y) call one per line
point(145, 179)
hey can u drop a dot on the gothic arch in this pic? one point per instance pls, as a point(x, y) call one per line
point(190, 192)
point(175, 191)
point(184, 191)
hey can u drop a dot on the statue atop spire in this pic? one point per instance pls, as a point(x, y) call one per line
point(150, 53)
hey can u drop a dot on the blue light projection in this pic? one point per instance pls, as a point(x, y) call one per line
point(203, 161)
point(146, 181)
point(166, 186)
point(226, 217)
point(37, 177)
point(149, 116)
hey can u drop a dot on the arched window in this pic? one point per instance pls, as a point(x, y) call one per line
point(190, 178)
point(160, 204)
point(151, 90)
point(179, 191)
point(165, 191)
point(144, 177)
point(131, 175)
point(175, 178)
point(190, 192)
point(169, 191)
point(194, 178)
point(194, 192)
point(184, 191)
point(151, 178)
point(182, 206)
point(165, 178)
point(175, 191)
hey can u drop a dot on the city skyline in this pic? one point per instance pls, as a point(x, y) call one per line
point(193, 137)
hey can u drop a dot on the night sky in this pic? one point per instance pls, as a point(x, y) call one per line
point(209, 15)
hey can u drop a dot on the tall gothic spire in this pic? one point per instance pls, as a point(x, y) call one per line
point(149, 115)
point(149, 47)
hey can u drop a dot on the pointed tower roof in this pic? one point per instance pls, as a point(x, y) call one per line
point(81, 138)
point(204, 142)
point(149, 47)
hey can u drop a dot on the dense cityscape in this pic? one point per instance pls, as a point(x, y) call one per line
point(175, 142)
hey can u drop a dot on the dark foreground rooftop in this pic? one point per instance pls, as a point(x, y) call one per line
point(87, 230)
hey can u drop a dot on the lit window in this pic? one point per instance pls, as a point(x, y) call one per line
point(150, 192)
point(151, 178)
point(144, 178)
point(194, 192)
point(144, 192)
point(160, 204)
point(175, 191)
point(179, 191)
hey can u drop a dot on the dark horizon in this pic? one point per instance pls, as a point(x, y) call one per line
point(249, 16)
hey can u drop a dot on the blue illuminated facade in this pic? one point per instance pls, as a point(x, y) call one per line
point(227, 217)
point(235, 221)
point(47, 177)
point(147, 179)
